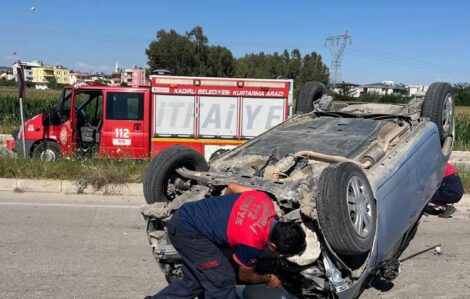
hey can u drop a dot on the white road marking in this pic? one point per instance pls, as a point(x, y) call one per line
point(68, 205)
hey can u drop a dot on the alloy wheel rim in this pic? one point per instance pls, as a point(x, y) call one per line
point(447, 113)
point(359, 206)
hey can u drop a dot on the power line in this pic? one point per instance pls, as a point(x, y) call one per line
point(410, 64)
point(409, 58)
point(419, 64)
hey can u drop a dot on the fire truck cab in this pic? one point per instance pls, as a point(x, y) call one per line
point(206, 114)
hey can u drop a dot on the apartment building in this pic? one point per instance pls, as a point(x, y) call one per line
point(134, 76)
point(39, 73)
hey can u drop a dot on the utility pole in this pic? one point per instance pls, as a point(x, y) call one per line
point(21, 88)
point(336, 45)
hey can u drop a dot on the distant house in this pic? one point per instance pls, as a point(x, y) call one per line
point(351, 89)
point(76, 77)
point(418, 90)
point(134, 76)
point(383, 88)
point(6, 73)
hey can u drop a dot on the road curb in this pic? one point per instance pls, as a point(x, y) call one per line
point(68, 187)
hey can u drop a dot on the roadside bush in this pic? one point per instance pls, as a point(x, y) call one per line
point(5, 82)
point(462, 94)
point(388, 98)
point(372, 98)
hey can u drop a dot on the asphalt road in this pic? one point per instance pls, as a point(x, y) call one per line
point(54, 245)
point(63, 246)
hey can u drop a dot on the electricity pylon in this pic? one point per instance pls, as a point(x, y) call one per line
point(336, 45)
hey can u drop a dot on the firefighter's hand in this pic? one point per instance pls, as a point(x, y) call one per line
point(273, 281)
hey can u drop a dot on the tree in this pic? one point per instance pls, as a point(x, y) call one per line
point(220, 62)
point(285, 65)
point(52, 82)
point(170, 51)
point(313, 69)
point(189, 54)
point(462, 94)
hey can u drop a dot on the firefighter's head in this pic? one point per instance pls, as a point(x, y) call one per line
point(287, 238)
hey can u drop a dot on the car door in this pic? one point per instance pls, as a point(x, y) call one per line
point(125, 128)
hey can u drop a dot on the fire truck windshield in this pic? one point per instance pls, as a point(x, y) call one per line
point(61, 112)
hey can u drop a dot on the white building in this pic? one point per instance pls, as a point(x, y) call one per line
point(351, 89)
point(76, 77)
point(27, 68)
point(383, 88)
point(418, 90)
point(6, 73)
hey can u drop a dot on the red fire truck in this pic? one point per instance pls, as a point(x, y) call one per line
point(206, 114)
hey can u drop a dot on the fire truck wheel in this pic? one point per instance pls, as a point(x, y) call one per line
point(308, 95)
point(161, 182)
point(47, 151)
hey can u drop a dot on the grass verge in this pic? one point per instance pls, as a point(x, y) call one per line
point(95, 172)
point(465, 177)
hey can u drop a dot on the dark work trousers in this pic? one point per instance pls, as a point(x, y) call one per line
point(206, 271)
point(450, 191)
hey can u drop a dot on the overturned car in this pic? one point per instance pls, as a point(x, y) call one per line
point(357, 176)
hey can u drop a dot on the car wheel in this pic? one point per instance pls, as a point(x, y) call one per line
point(439, 106)
point(346, 209)
point(309, 94)
point(161, 182)
point(47, 151)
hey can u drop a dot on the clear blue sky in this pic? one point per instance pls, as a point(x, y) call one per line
point(404, 41)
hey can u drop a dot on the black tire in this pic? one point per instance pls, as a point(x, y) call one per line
point(439, 106)
point(310, 92)
point(162, 171)
point(48, 151)
point(335, 197)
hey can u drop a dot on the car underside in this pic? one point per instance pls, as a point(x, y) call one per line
point(330, 169)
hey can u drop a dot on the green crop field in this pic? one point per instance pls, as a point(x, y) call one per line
point(463, 109)
point(462, 129)
point(35, 102)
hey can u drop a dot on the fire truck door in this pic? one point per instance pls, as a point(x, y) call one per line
point(125, 130)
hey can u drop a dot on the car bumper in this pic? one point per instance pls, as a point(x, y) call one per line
point(10, 144)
